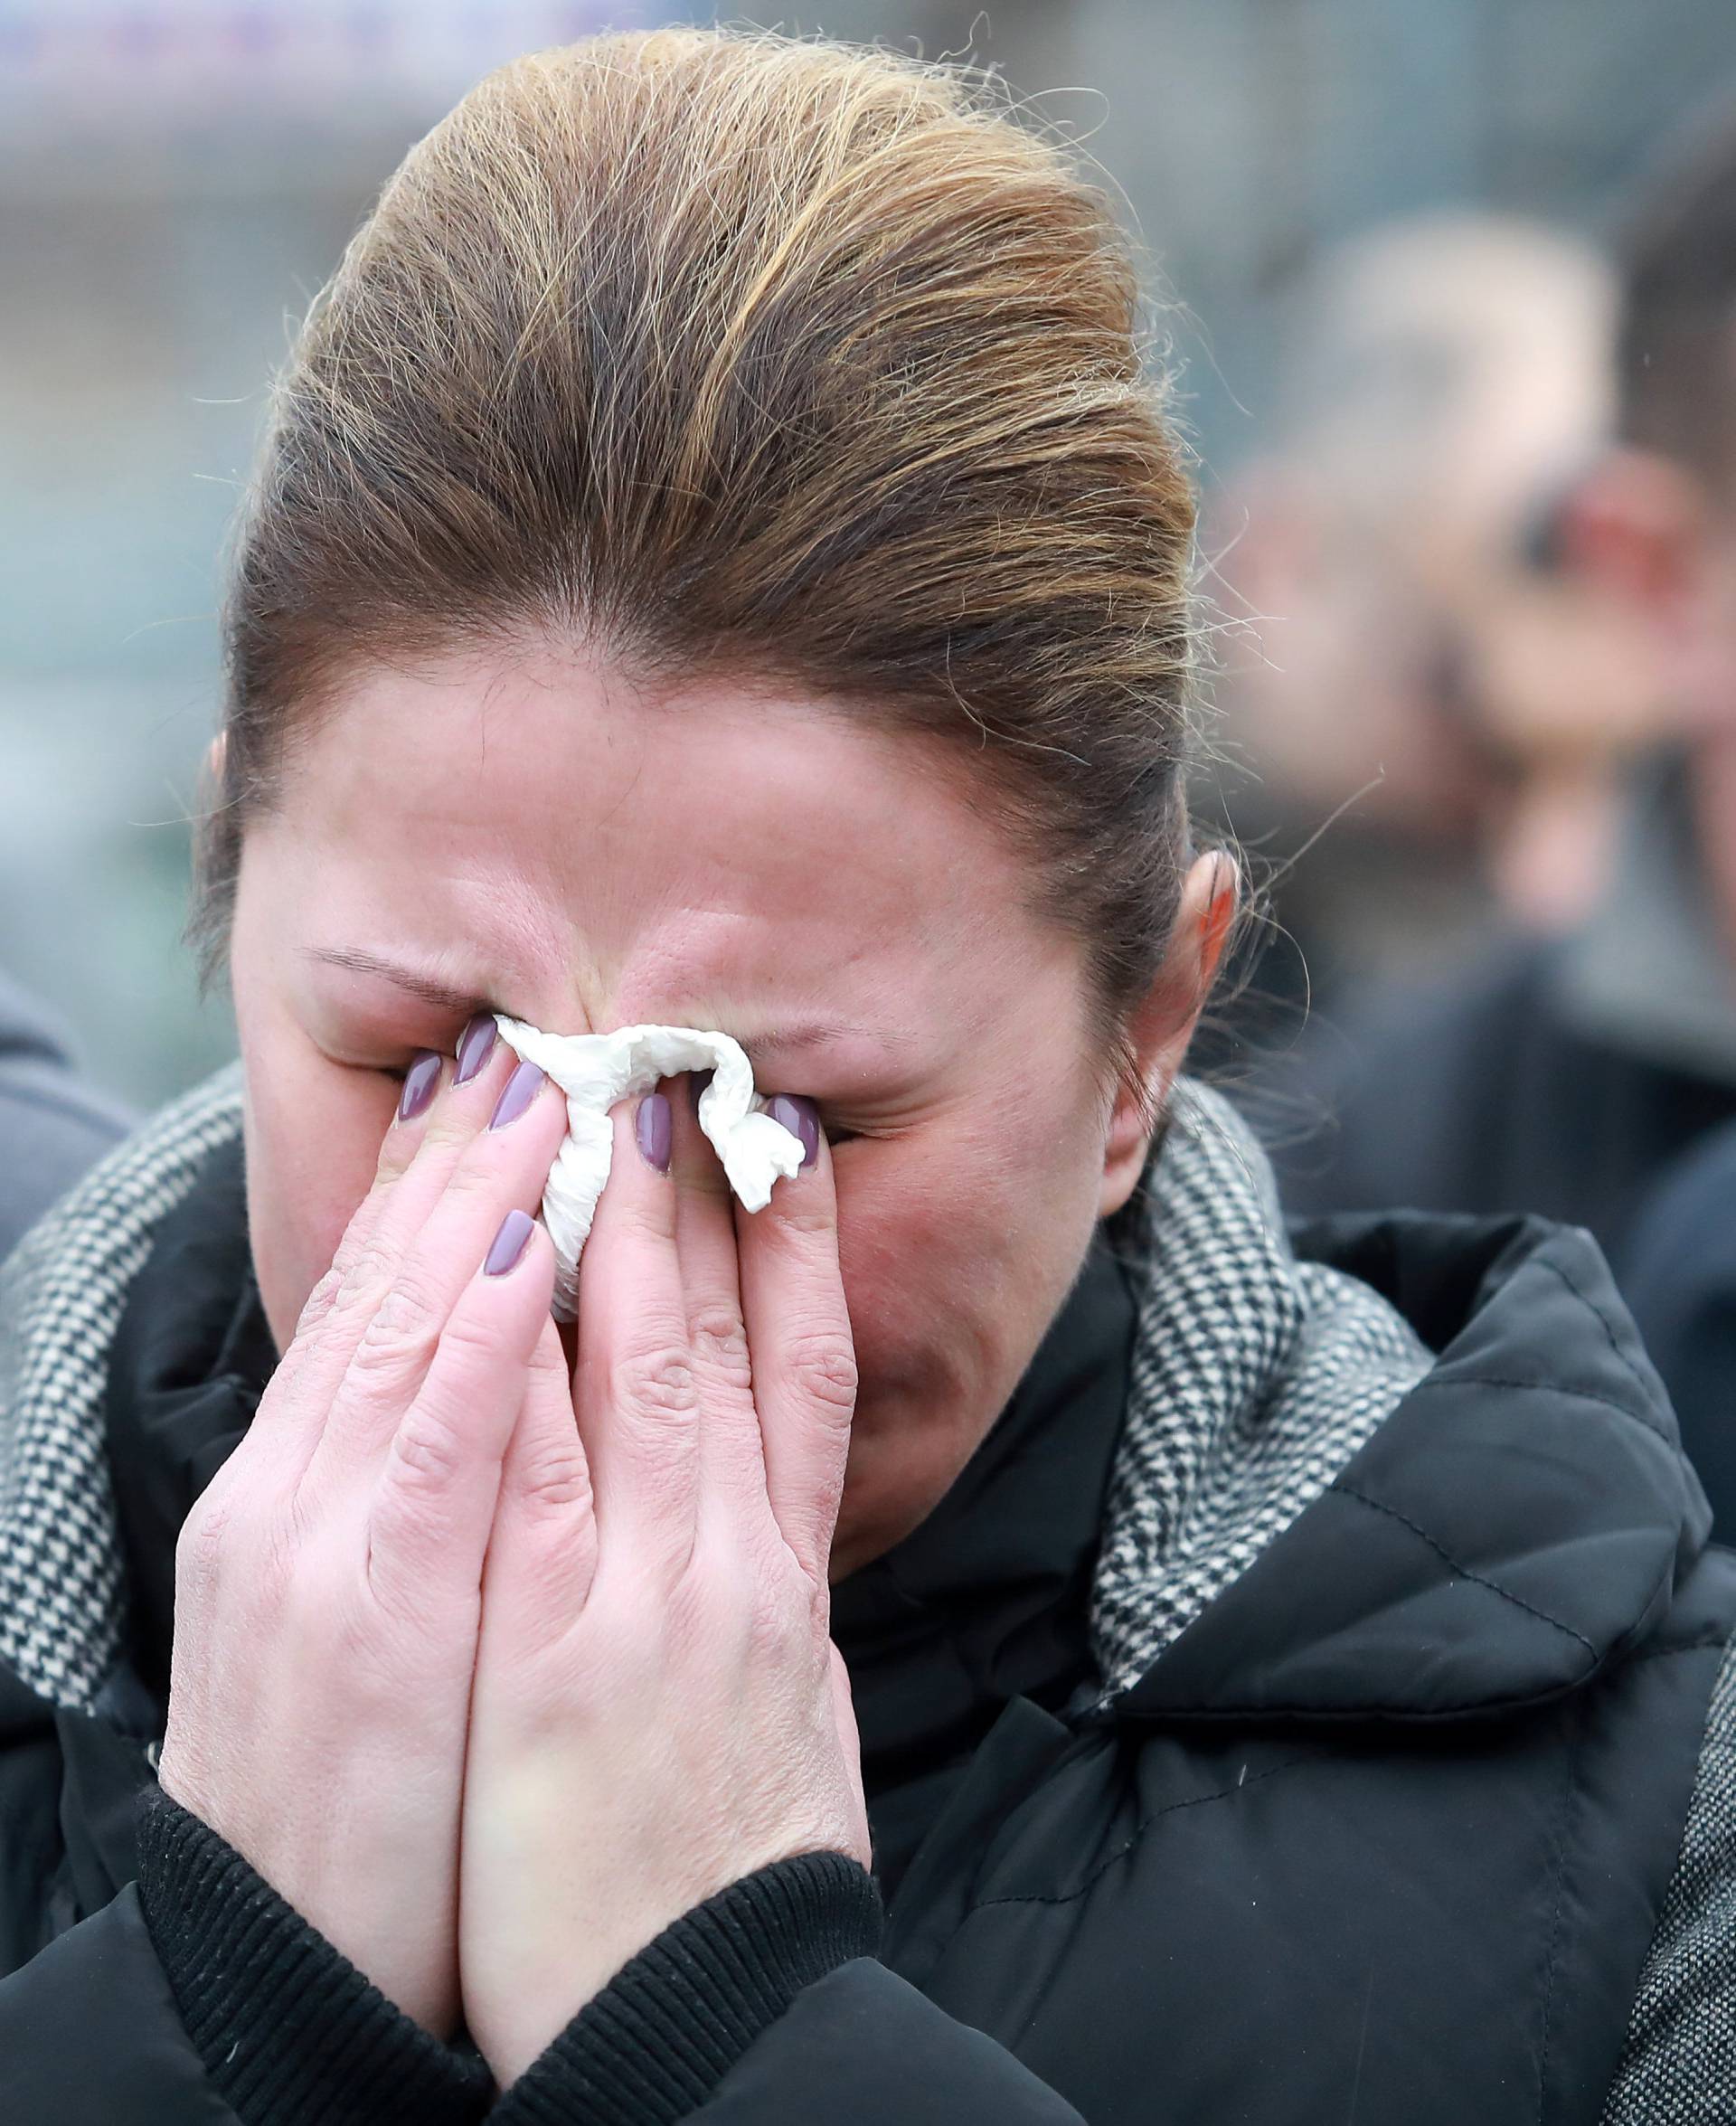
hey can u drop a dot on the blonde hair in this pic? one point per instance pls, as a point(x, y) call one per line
point(735, 353)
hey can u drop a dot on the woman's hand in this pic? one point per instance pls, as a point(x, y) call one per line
point(328, 1583)
point(658, 1708)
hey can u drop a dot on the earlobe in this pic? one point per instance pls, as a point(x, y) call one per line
point(1163, 1026)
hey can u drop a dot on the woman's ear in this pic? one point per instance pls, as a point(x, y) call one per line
point(1163, 1026)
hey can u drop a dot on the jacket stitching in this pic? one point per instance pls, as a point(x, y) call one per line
point(1603, 1320)
point(1688, 1646)
point(1569, 1790)
point(1255, 1709)
point(1139, 1831)
point(1478, 1578)
point(1489, 1380)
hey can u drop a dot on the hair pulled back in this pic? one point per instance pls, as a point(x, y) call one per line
point(730, 352)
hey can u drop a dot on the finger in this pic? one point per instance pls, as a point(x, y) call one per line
point(731, 1466)
point(443, 1103)
point(543, 1547)
point(422, 1085)
point(288, 1422)
point(433, 1501)
point(804, 1356)
point(634, 1388)
point(459, 1200)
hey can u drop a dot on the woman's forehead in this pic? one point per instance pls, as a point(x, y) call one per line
point(691, 844)
point(577, 769)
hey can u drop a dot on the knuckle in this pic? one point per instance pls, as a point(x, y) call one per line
point(321, 1300)
point(553, 1478)
point(777, 1628)
point(821, 1367)
point(804, 1217)
point(276, 1562)
point(718, 1340)
point(449, 1131)
point(205, 1543)
point(476, 1340)
point(656, 1381)
point(475, 1176)
point(404, 1327)
point(428, 1451)
point(363, 1273)
point(398, 1151)
point(646, 1216)
point(228, 1548)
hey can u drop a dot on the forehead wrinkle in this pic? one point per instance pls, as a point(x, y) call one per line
point(716, 969)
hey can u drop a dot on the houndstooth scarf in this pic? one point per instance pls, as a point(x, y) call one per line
point(1254, 1379)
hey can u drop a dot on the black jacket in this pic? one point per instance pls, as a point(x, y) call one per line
point(1392, 1830)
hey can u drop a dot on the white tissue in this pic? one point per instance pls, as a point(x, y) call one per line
point(596, 1071)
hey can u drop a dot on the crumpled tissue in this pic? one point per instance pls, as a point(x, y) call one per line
point(596, 1070)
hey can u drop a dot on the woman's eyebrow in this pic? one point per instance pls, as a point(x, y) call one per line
point(355, 961)
point(881, 1047)
point(784, 1042)
point(796, 1040)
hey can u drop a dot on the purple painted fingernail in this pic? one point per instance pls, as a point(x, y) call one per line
point(519, 1091)
point(801, 1117)
point(652, 1131)
point(510, 1242)
point(476, 1045)
point(421, 1081)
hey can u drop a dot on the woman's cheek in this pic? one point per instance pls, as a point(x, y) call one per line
point(951, 1219)
point(891, 1239)
point(946, 1309)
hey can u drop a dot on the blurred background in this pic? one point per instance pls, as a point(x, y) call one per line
point(1385, 389)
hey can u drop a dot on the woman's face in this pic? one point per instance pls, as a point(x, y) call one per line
point(538, 838)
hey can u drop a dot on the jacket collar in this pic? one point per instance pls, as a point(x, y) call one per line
point(1520, 1520)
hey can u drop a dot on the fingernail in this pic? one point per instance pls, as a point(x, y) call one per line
point(421, 1081)
point(652, 1131)
point(476, 1045)
point(519, 1091)
point(801, 1117)
point(510, 1242)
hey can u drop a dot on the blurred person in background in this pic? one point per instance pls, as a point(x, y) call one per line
point(1679, 1276)
point(1002, 1634)
point(1417, 684)
point(53, 1125)
point(1561, 1075)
